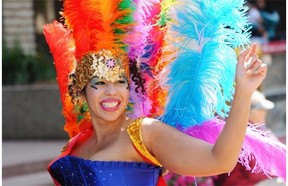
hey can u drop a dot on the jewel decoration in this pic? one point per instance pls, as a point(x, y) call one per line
point(110, 63)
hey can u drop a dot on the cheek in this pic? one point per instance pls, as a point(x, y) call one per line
point(92, 95)
point(125, 95)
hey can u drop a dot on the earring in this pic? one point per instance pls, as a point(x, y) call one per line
point(129, 107)
point(82, 110)
point(84, 107)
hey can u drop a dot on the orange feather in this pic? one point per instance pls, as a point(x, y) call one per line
point(94, 22)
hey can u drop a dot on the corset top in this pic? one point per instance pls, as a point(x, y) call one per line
point(71, 170)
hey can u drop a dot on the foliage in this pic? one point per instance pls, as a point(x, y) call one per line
point(21, 68)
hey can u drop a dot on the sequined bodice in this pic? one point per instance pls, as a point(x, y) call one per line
point(71, 170)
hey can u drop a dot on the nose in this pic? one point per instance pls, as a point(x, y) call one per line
point(110, 89)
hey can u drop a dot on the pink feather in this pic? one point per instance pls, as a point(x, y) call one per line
point(145, 17)
point(142, 104)
point(270, 155)
point(138, 36)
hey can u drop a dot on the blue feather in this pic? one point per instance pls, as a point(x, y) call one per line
point(201, 77)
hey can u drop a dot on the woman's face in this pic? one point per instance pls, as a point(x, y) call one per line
point(107, 100)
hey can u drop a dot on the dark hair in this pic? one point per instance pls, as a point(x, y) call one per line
point(71, 87)
point(136, 77)
point(134, 74)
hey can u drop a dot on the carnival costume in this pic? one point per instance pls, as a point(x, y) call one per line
point(180, 60)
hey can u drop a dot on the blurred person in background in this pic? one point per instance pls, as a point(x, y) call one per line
point(270, 18)
point(240, 175)
point(258, 30)
point(259, 107)
point(264, 21)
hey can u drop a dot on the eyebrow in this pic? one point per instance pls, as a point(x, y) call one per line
point(124, 77)
point(96, 77)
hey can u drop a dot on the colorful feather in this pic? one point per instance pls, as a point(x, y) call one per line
point(269, 154)
point(145, 45)
point(185, 53)
point(62, 47)
point(98, 24)
point(200, 80)
point(152, 63)
point(137, 40)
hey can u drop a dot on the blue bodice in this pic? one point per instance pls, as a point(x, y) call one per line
point(71, 170)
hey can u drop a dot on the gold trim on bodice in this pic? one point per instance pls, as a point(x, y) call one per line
point(134, 131)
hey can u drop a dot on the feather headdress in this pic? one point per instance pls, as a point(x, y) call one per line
point(178, 55)
point(92, 28)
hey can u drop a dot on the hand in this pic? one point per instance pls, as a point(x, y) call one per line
point(250, 71)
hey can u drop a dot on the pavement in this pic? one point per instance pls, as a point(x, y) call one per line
point(24, 163)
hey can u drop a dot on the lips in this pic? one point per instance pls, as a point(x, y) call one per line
point(110, 105)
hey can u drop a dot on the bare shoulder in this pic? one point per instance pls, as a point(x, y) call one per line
point(171, 148)
point(149, 128)
point(150, 121)
point(151, 125)
point(153, 128)
point(155, 125)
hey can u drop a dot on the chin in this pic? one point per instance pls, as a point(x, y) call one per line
point(113, 116)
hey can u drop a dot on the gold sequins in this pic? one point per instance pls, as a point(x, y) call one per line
point(103, 64)
point(134, 131)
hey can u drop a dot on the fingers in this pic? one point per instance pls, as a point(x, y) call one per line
point(248, 52)
point(250, 61)
point(258, 68)
point(254, 66)
point(262, 70)
point(253, 51)
point(243, 54)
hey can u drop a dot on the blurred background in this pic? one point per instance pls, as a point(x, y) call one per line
point(32, 124)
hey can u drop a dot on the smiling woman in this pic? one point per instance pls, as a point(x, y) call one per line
point(123, 63)
point(106, 98)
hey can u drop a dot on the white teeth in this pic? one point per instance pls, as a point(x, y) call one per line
point(110, 104)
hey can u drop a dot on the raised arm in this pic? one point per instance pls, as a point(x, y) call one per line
point(249, 75)
point(186, 155)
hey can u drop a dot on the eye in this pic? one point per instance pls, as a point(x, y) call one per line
point(99, 83)
point(95, 82)
point(121, 82)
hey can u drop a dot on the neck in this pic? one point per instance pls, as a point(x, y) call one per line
point(105, 129)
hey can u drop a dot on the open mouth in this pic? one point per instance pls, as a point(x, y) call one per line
point(110, 105)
